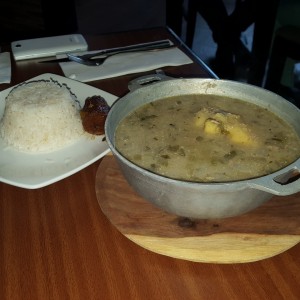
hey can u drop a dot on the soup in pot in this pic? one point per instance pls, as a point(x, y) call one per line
point(207, 138)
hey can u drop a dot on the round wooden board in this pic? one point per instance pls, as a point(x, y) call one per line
point(266, 231)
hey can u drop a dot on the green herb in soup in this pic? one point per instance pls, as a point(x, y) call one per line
point(207, 138)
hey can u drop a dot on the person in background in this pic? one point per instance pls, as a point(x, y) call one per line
point(226, 29)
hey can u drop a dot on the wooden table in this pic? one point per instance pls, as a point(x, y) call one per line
point(55, 242)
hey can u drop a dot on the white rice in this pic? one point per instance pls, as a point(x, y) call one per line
point(41, 116)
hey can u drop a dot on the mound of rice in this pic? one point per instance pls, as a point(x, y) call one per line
point(41, 116)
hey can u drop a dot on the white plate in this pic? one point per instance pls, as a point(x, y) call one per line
point(37, 170)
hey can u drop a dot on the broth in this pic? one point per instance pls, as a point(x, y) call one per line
point(207, 138)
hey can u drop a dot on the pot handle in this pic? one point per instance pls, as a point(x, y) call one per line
point(148, 80)
point(285, 182)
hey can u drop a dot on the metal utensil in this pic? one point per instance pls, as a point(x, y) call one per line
point(137, 47)
point(100, 60)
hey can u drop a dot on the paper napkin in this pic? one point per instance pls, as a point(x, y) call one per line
point(125, 63)
point(5, 67)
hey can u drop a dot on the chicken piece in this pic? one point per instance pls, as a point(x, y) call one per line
point(202, 115)
point(219, 122)
point(93, 115)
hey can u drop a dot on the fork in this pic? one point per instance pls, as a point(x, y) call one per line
point(89, 60)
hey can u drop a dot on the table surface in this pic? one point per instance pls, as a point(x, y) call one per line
point(55, 242)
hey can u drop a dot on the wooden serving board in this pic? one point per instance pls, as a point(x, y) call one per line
point(266, 231)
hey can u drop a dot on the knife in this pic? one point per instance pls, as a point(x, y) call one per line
point(142, 46)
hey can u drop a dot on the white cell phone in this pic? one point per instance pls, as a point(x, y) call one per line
point(48, 46)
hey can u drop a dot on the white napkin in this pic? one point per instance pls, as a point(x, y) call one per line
point(5, 67)
point(126, 63)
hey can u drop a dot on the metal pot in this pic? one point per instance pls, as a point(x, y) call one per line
point(202, 200)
